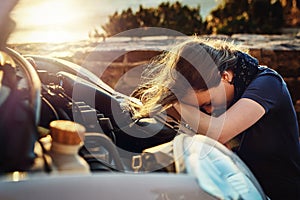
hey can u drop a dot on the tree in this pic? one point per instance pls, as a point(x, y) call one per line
point(246, 16)
point(174, 16)
point(119, 23)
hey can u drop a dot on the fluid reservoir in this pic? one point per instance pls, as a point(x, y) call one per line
point(67, 138)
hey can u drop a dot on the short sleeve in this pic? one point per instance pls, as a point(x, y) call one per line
point(265, 90)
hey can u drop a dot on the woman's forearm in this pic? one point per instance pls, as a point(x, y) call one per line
point(226, 126)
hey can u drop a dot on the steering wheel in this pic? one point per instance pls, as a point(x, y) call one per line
point(28, 73)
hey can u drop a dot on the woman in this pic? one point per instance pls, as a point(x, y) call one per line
point(222, 92)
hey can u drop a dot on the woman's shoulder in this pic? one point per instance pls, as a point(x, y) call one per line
point(267, 88)
point(266, 82)
point(268, 74)
point(265, 70)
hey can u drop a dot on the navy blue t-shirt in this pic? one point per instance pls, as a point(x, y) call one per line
point(271, 147)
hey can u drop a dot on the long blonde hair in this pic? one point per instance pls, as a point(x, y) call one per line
point(191, 64)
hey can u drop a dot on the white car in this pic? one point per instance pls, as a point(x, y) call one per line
point(147, 159)
point(117, 158)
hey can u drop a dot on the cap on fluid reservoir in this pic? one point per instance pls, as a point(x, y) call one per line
point(67, 132)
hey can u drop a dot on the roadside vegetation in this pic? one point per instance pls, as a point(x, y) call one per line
point(229, 17)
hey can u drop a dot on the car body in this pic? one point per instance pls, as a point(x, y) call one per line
point(61, 83)
point(146, 159)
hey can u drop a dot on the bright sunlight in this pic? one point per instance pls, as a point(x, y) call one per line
point(47, 21)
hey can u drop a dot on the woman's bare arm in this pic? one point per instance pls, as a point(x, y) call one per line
point(240, 116)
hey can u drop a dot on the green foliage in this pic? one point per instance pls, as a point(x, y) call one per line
point(231, 16)
point(118, 23)
point(174, 16)
point(246, 16)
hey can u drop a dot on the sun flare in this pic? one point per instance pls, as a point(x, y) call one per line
point(50, 14)
point(50, 20)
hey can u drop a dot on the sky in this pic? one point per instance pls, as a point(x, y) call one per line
point(67, 20)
